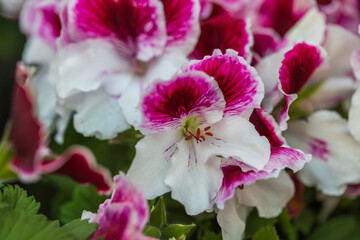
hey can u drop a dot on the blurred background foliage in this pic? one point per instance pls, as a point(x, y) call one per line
point(11, 47)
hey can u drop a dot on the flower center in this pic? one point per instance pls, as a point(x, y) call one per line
point(200, 135)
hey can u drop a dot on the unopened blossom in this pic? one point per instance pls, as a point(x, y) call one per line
point(269, 190)
point(28, 139)
point(113, 50)
point(123, 216)
point(198, 119)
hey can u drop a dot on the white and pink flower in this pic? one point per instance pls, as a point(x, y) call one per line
point(124, 216)
point(197, 120)
point(113, 50)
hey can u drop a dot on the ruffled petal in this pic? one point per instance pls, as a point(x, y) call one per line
point(167, 104)
point(335, 153)
point(79, 164)
point(182, 24)
point(136, 28)
point(242, 87)
point(297, 67)
point(224, 32)
point(269, 196)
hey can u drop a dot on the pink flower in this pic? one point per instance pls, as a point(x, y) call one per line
point(113, 50)
point(32, 158)
point(196, 122)
point(124, 216)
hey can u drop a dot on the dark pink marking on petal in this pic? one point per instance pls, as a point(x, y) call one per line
point(182, 23)
point(27, 135)
point(224, 32)
point(266, 126)
point(281, 15)
point(115, 221)
point(234, 178)
point(41, 19)
point(79, 164)
point(297, 67)
point(126, 192)
point(319, 149)
point(167, 103)
point(136, 27)
point(239, 82)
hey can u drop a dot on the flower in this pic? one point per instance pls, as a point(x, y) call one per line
point(122, 217)
point(335, 164)
point(28, 139)
point(268, 190)
point(196, 122)
point(112, 51)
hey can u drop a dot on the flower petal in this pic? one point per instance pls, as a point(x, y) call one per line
point(192, 93)
point(193, 183)
point(297, 67)
point(224, 32)
point(136, 28)
point(355, 63)
point(242, 88)
point(269, 196)
point(79, 164)
point(232, 220)
point(27, 135)
point(182, 24)
point(335, 153)
point(354, 115)
point(149, 166)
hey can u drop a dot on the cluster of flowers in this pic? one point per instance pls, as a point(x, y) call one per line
point(232, 97)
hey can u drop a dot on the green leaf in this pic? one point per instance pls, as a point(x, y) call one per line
point(158, 214)
point(254, 223)
point(211, 236)
point(80, 229)
point(6, 155)
point(176, 230)
point(266, 233)
point(84, 198)
point(305, 221)
point(342, 227)
point(19, 225)
point(17, 199)
point(152, 231)
point(285, 226)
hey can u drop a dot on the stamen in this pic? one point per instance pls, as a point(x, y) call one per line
point(186, 129)
point(188, 138)
point(202, 137)
point(198, 133)
point(209, 134)
point(207, 128)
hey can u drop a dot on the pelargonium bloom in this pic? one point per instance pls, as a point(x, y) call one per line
point(112, 50)
point(335, 164)
point(32, 158)
point(124, 216)
point(268, 190)
point(196, 122)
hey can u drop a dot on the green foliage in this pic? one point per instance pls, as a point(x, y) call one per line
point(285, 227)
point(6, 155)
point(19, 220)
point(152, 231)
point(84, 198)
point(211, 236)
point(16, 198)
point(158, 214)
point(266, 233)
point(176, 230)
point(254, 223)
point(343, 227)
point(80, 229)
